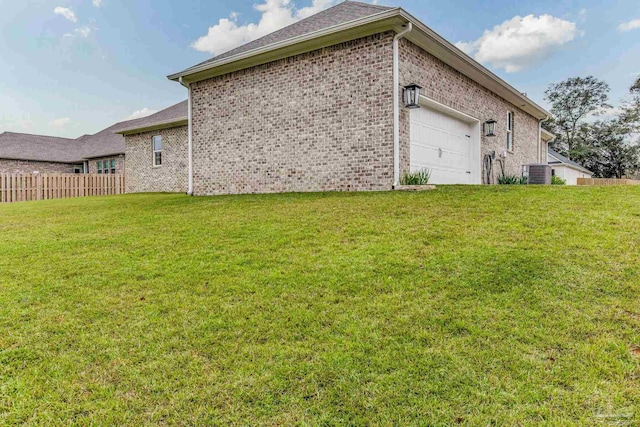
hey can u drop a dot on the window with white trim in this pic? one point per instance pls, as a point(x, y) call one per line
point(509, 131)
point(157, 150)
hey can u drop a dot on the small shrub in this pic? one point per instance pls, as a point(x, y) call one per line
point(556, 180)
point(420, 177)
point(512, 180)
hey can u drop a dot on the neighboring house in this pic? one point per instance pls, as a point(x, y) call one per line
point(317, 106)
point(566, 169)
point(102, 153)
point(25, 153)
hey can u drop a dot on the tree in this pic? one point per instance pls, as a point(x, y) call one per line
point(630, 116)
point(573, 100)
point(612, 155)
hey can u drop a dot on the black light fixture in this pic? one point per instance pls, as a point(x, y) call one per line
point(490, 128)
point(411, 96)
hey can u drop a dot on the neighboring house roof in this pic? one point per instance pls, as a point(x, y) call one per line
point(350, 20)
point(560, 159)
point(176, 115)
point(22, 146)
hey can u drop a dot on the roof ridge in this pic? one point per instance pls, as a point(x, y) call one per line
point(377, 6)
point(328, 13)
point(36, 134)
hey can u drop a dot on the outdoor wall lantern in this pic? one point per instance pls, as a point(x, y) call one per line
point(411, 96)
point(490, 128)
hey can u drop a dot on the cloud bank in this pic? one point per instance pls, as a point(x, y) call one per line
point(518, 43)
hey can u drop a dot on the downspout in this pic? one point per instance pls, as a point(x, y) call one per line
point(190, 144)
point(540, 158)
point(396, 104)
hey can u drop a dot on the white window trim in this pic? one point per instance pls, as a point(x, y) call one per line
point(154, 151)
point(510, 130)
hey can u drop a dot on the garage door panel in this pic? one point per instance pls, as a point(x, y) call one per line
point(423, 155)
point(442, 144)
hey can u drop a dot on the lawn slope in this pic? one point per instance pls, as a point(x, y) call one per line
point(460, 306)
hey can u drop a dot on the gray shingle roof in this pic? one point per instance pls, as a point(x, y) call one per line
point(175, 112)
point(563, 159)
point(338, 14)
point(24, 146)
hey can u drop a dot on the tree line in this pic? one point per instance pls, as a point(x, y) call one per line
point(590, 131)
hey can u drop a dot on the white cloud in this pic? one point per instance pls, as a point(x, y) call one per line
point(141, 113)
point(66, 13)
point(520, 42)
point(628, 26)
point(97, 3)
point(60, 123)
point(84, 32)
point(276, 14)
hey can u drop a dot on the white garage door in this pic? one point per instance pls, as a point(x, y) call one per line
point(442, 144)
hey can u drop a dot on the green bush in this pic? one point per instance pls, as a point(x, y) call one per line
point(512, 180)
point(556, 180)
point(420, 177)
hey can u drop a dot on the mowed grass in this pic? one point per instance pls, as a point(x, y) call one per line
point(473, 306)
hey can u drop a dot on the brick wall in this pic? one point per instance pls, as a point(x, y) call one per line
point(120, 163)
point(171, 176)
point(450, 87)
point(318, 121)
point(28, 166)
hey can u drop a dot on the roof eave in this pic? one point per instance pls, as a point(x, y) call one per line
point(547, 136)
point(28, 159)
point(310, 37)
point(97, 156)
point(182, 121)
point(359, 28)
point(472, 68)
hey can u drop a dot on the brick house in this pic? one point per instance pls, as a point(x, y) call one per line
point(324, 104)
point(101, 153)
point(320, 105)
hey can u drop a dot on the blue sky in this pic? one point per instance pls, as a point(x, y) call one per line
point(70, 67)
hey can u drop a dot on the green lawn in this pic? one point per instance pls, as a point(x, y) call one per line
point(470, 306)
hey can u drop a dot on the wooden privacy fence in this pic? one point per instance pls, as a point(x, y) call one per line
point(25, 187)
point(607, 181)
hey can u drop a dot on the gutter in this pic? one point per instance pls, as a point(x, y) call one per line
point(388, 15)
point(180, 121)
point(190, 120)
point(469, 61)
point(285, 43)
point(396, 104)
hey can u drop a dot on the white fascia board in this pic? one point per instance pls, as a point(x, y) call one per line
point(336, 29)
point(154, 126)
point(422, 36)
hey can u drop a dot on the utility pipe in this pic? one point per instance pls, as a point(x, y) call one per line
point(396, 104)
point(190, 144)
